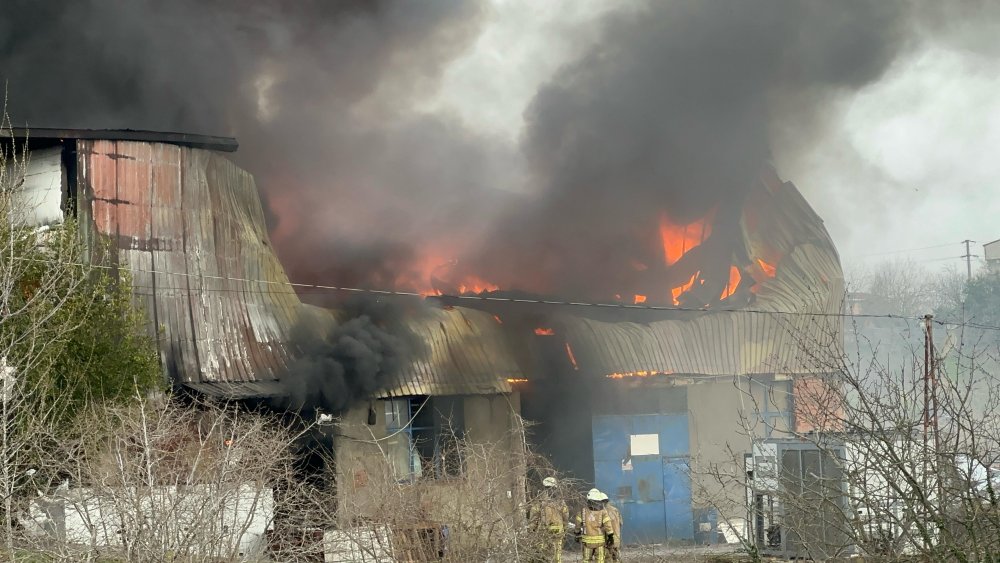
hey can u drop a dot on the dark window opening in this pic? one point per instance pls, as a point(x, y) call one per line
point(425, 436)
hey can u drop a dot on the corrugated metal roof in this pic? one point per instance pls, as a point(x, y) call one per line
point(788, 328)
point(467, 354)
point(239, 390)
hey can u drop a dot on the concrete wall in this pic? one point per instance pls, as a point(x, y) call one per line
point(723, 414)
point(492, 480)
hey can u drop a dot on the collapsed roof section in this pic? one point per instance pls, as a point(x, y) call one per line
point(791, 326)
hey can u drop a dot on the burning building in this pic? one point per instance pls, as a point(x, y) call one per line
point(640, 380)
point(641, 395)
point(188, 226)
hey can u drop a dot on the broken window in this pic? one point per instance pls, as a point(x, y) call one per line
point(424, 436)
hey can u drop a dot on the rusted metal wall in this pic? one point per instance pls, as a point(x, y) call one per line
point(189, 225)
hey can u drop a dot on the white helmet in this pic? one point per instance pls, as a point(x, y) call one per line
point(604, 496)
point(594, 494)
point(549, 482)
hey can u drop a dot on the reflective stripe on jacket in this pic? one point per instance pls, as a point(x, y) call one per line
point(594, 525)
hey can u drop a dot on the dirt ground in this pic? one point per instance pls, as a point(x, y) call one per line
point(663, 554)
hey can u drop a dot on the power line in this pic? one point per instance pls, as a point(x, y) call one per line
point(941, 259)
point(488, 298)
point(902, 250)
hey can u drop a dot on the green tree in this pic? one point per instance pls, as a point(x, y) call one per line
point(71, 338)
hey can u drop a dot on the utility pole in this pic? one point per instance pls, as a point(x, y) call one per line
point(968, 259)
point(931, 464)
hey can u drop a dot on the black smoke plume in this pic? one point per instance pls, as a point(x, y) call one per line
point(322, 96)
point(672, 111)
point(339, 362)
point(670, 106)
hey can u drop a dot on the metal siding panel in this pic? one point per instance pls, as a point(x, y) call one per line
point(196, 241)
point(102, 174)
point(134, 170)
point(611, 437)
point(231, 340)
point(644, 523)
point(674, 435)
point(678, 516)
point(647, 475)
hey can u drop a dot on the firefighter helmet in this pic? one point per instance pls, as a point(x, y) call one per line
point(604, 496)
point(594, 494)
point(549, 482)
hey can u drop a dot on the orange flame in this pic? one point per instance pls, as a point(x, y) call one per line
point(679, 290)
point(516, 380)
point(769, 270)
point(641, 373)
point(473, 284)
point(572, 358)
point(544, 331)
point(679, 239)
point(639, 299)
point(734, 282)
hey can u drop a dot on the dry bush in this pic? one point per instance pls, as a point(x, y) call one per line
point(481, 510)
point(161, 481)
point(909, 465)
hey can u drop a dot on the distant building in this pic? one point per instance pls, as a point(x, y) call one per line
point(991, 251)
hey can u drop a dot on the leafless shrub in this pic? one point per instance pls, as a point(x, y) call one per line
point(161, 481)
point(477, 513)
point(899, 462)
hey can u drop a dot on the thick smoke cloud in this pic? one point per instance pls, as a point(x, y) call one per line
point(672, 111)
point(338, 363)
point(322, 96)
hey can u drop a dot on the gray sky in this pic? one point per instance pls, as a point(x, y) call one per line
point(910, 162)
point(905, 163)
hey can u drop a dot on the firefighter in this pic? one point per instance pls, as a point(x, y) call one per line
point(593, 528)
point(549, 515)
point(614, 548)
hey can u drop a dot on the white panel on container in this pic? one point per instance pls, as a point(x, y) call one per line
point(645, 444)
point(40, 196)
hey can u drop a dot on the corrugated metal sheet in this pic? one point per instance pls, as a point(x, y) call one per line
point(467, 354)
point(787, 329)
point(189, 223)
point(41, 194)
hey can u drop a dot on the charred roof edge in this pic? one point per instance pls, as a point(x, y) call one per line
point(224, 144)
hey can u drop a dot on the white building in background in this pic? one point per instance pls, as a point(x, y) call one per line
point(991, 252)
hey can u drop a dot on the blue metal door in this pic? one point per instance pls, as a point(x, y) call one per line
point(650, 485)
point(677, 499)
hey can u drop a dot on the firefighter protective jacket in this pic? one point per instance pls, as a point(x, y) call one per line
point(616, 520)
point(550, 514)
point(594, 526)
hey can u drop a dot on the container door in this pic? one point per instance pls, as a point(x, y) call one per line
point(641, 462)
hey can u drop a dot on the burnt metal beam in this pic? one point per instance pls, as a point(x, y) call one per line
point(223, 144)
